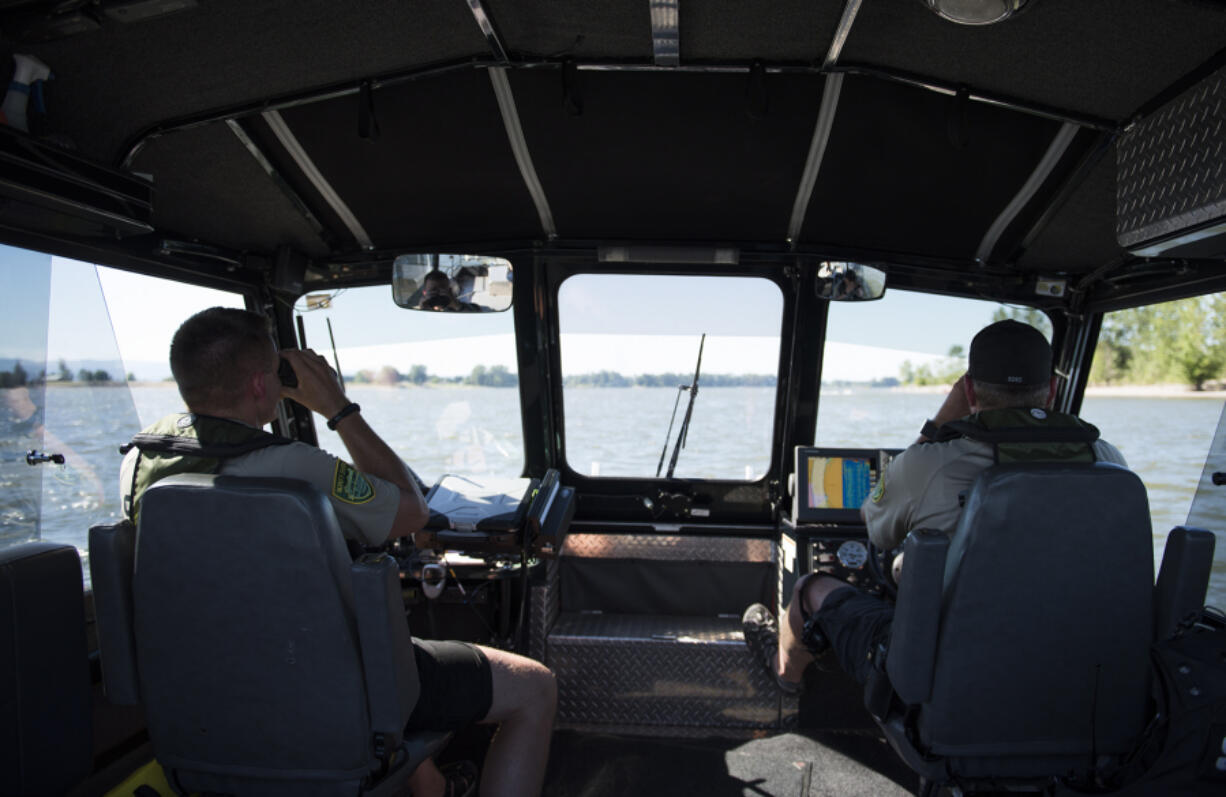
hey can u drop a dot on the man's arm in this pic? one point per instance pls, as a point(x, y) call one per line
point(319, 389)
point(955, 406)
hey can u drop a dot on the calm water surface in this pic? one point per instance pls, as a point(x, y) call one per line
point(476, 432)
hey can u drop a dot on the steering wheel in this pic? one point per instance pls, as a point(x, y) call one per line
point(881, 565)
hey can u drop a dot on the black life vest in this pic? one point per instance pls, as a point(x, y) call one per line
point(1018, 434)
point(188, 443)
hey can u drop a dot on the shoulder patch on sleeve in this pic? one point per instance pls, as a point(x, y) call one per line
point(878, 491)
point(350, 485)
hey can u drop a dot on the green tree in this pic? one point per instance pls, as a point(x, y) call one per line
point(418, 374)
point(388, 376)
point(65, 372)
point(1027, 315)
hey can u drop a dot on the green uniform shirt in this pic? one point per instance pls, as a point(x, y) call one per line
point(365, 505)
point(921, 486)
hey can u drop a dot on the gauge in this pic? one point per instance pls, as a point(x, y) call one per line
point(852, 554)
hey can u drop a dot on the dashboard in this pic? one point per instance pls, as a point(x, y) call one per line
point(824, 532)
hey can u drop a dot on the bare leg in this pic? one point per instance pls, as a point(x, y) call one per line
point(793, 655)
point(525, 699)
point(426, 780)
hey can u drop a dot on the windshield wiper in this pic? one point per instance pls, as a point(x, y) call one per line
point(685, 423)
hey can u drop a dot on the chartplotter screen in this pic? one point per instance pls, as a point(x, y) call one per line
point(831, 484)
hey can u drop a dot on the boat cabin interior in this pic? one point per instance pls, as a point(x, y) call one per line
point(529, 235)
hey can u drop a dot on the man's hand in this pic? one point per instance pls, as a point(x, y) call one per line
point(955, 406)
point(319, 388)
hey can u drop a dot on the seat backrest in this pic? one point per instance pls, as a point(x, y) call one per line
point(250, 661)
point(1042, 653)
point(46, 701)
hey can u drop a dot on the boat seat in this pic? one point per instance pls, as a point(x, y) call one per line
point(268, 662)
point(1020, 644)
point(46, 702)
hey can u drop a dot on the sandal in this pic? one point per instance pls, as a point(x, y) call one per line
point(460, 779)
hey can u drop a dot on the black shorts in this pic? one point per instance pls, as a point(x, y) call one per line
point(855, 622)
point(457, 686)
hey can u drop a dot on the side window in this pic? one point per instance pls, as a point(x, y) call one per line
point(888, 364)
point(630, 344)
point(440, 388)
point(1156, 390)
point(83, 367)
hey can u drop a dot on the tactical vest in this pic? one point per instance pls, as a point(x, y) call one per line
point(188, 443)
point(1026, 435)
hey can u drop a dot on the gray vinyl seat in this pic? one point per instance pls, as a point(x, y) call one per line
point(1020, 645)
point(46, 699)
point(268, 662)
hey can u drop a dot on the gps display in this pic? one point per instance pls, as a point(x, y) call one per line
point(831, 484)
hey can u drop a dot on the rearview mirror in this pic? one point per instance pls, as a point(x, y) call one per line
point(452, 283)
point(839, 281)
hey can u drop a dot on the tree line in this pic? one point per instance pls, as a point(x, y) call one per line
point(1181, 341)
point(615, 379)
point(20, 377)
point(501, 376)
point(481, 375)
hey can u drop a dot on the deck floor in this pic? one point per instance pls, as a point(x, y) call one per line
point(810, 764)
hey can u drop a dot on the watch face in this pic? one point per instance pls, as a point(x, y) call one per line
point(852, 554)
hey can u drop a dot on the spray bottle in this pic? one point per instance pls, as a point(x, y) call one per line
point(28, 76)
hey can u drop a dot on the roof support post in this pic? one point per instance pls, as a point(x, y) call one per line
point(293, 196)
point(817, 150)
point(288, 140)
point(1055, 151)
point(841, 33)
point(486, 23)
point(519, 146)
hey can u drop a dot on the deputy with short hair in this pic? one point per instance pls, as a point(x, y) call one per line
point(999, 411)
point(227, 369)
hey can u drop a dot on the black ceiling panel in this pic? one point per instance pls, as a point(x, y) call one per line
point(732, 30)
point(441, 169)
point(1101, 57)
point(1083, 230)
point(913, 171)
point(124, 78)
point(669, 156)
point(208, 186)
point(617, 29)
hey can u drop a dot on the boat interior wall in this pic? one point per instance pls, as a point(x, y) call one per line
point(46, 706)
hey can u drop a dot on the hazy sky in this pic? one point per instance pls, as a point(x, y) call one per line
point(616, 322)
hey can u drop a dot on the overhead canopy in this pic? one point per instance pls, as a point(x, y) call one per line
point(878, 130)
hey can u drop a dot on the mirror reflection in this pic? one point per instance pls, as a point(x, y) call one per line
point(452, 283)
point(840, 281)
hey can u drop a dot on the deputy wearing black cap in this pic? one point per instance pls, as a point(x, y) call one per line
point(999, 411)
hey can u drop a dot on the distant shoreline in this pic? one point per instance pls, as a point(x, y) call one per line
point(1174, 391)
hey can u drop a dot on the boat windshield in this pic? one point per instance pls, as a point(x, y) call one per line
point(440, 388)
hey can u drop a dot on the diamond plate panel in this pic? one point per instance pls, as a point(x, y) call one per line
point(542, 610)
point(631, 670)
point(675, 548)
point(1171, 166)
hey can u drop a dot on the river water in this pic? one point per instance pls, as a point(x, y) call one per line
point(476, 432)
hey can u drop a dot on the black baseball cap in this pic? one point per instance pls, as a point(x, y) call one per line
point(1010, 353)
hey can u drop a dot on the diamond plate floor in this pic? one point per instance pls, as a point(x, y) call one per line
point(627, 670)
